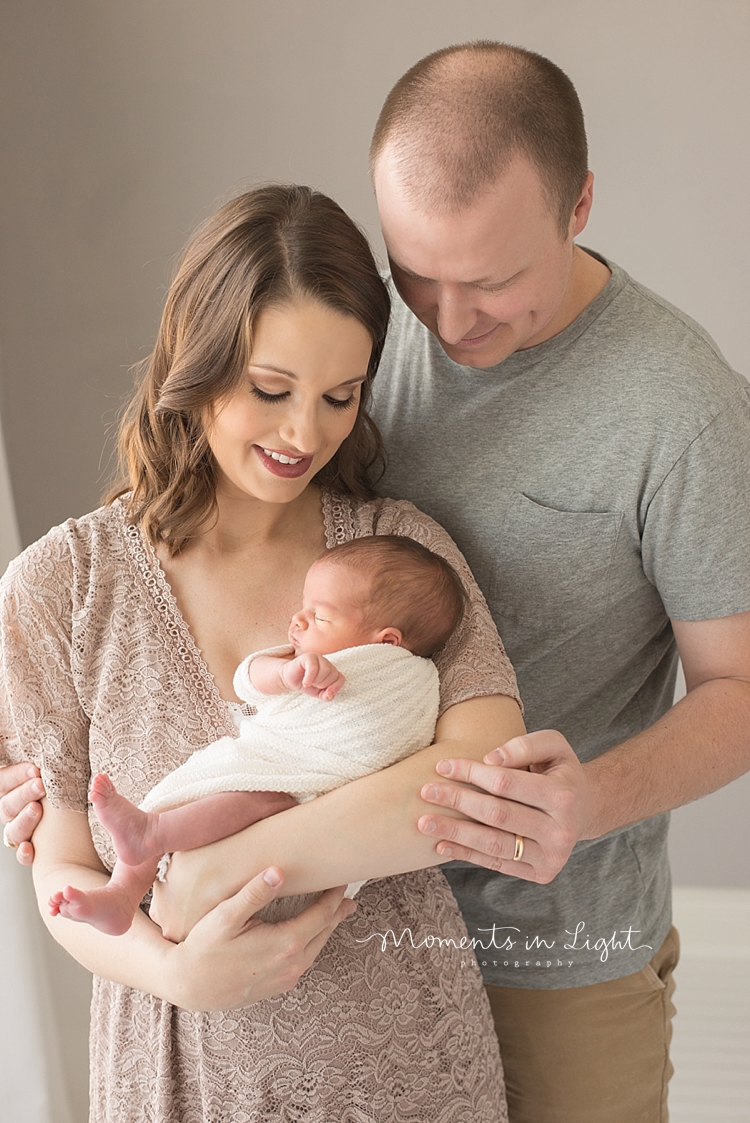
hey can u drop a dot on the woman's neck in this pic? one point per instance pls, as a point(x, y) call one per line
point(245, 523)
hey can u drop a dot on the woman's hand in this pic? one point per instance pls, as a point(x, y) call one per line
point(230, 960)
point(20, 790)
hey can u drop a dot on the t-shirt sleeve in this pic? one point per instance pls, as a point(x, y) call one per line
point(696, 537)
point(473, 663)
point(41, 718)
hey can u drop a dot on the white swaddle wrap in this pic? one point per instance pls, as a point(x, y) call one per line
point(386, 710)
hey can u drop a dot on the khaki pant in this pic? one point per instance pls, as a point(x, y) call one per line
point(596, 1054)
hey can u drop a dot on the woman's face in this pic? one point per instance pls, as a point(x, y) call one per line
point(295, 405)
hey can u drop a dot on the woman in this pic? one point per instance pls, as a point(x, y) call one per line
point(247, 451)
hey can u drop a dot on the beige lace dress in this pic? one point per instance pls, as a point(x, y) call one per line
point(99, 672)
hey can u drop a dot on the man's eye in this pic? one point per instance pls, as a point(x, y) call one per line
point(262, 396)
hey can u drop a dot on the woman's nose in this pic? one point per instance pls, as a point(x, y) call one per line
point(300, 430)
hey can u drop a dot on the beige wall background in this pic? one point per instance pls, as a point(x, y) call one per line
point(123, 125)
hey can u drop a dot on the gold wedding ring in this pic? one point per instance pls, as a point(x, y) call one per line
point(6, 840)
point(518, 852)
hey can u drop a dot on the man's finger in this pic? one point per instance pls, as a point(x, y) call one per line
point(497, 845)
point(543, 746)
point(502, 814)
point(17, 796)
point(12, 775)
point(455, 852)
point(529, 788)
point(22, 826)
point(25, 854)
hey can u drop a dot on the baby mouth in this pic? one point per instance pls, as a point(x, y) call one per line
point(282, 458)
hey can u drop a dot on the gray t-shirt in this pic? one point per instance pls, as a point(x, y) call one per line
point(598, 485)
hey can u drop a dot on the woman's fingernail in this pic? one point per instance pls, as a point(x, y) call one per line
point(31, 772)
point(497, 756)
point(430, 793)
point(271, 878)
point(37, 789)
point(444, 767)
point(444, 851)
point(428, 826)
point(32, 812)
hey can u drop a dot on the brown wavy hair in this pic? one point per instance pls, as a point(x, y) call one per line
point(269, 247)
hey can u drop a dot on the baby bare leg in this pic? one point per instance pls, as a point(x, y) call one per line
point(111, 907)
point(139, 835)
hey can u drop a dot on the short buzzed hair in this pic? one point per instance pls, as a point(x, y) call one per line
point(460, 116)
point(408, 587)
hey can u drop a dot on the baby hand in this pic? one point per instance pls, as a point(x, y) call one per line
point(314, 675)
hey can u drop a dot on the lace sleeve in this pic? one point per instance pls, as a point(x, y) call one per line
point(473, 663)
point(41, 718)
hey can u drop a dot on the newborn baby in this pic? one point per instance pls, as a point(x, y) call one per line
point(353, 692)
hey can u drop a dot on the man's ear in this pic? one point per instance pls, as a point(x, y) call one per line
point(392, 636)
point(580, 215)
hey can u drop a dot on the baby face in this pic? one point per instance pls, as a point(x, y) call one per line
point(333, 612)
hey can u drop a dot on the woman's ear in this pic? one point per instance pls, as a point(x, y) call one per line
point(392, 636)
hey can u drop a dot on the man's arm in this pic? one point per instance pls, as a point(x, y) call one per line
point(365, 829)
point(544, 794)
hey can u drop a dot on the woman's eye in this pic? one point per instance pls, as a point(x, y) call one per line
point(340, 403)
point(262, 396)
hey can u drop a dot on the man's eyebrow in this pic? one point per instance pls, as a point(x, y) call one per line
point(295, 378)
point(487, 282)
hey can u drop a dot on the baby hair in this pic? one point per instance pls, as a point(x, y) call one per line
point(410, 588)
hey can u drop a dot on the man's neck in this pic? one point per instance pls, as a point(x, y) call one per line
point(588, 277)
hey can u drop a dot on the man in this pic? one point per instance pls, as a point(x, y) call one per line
point(588, 448)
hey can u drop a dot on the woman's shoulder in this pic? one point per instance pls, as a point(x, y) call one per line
point(69, 551)
point(384, 515)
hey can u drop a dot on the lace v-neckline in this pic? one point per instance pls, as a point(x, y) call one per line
point(338, 526)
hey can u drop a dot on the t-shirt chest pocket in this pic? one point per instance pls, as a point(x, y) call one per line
point(552, 571)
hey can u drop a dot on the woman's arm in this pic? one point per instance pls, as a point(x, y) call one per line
point(365, 829)
point(228, 961)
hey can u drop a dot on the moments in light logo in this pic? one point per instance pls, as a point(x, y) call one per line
point(514, 947)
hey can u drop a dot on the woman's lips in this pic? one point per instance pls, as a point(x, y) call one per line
point(277, 468)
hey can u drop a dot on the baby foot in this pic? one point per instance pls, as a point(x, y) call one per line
point(108, 911)
point(133, 831)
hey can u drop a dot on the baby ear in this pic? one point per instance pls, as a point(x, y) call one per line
point(390, 635)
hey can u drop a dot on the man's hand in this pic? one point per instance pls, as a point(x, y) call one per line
point(533, 787)
point(20, 811)
point(314, 675)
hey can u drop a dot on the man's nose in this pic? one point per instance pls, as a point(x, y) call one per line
point(455, 315)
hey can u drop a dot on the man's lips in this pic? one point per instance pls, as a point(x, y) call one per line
point(476, 341)
point(289, 471)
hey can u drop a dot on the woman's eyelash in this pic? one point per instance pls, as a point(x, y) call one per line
point(264, 397)
point(336, 403)
point(340, 403)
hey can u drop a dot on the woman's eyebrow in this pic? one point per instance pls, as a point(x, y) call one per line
point(275, 370)
point(290, 374)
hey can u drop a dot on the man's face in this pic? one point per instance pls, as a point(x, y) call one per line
point(489, 280)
